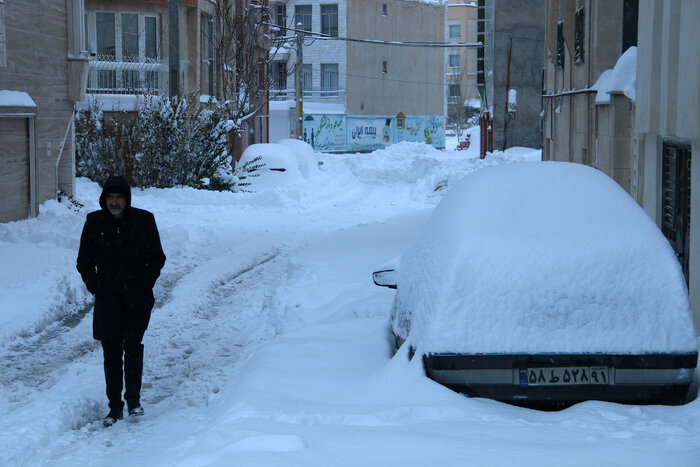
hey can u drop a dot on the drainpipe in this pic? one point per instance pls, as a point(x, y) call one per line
point(60, 151)
point(588, 82)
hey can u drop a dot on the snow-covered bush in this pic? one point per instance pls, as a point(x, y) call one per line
point(168, 142)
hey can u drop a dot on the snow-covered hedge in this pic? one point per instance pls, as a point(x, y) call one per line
point(166, 143)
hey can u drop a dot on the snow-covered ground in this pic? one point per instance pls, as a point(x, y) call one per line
point(268, 344)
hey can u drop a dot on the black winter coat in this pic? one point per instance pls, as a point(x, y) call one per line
point(120, 261)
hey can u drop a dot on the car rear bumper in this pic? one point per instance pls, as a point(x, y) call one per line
point(642, 379)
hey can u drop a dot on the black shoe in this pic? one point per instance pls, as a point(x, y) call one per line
point(112, 417)
point(136, 411)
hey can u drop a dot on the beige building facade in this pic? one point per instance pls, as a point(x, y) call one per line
point(667, 125)
point(584, 119)
point(462, 95)
point(365, 78)
point(43, 71)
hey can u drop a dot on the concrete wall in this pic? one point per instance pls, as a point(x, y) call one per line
point(524, 20)
point(668, 108)
point(43, 60)
point(414, 82)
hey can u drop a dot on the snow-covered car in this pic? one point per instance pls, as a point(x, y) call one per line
point(304, 153)
point(544, 283)
point(279, 166)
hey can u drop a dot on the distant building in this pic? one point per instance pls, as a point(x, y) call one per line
point(509, 69)
point(43, 71)
point(391, 92)
point(463, 100)
point(667, 128)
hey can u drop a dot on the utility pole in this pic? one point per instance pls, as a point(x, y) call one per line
point(174, 47)
point(297, 83)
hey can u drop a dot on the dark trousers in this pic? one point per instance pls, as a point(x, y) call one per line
point(132, 349)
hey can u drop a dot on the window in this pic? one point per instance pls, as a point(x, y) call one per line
point(307, 79)
point(106, 49)
point(385, 67)
point(279, 74)
point(384, 10)
point(453, 90)
point(560, 44)
point(130, 41)
point(3, 50)
point(281, 20)
point(630, 15)
point(579, 27)
point(302, 14)
point(454, 60)
point(329, 20)
point(329, 79)
point(130, 48)
point(455, 31)
point(675, 185)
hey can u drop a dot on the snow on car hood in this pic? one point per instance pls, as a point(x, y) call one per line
point(542, 257)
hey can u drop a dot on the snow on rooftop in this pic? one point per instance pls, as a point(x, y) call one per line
point(622, 78)
point(542, 257)
point(15, 99)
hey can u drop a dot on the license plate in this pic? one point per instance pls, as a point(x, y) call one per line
point(561, 376)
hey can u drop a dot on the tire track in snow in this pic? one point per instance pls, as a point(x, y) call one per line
point(189, 350)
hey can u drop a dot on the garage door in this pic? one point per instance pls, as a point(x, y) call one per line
point(14, 169)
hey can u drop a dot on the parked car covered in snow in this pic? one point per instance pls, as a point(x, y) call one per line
point(279, 166)
point(544, 283)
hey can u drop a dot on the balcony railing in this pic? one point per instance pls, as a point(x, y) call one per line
point(126, 75)
point(336, 96)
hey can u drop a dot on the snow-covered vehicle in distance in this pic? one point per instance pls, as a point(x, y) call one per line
point(544, 284)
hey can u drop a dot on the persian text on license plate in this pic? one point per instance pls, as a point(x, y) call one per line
point(557, 376)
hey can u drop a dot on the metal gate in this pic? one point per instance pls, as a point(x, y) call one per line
point(675, 200)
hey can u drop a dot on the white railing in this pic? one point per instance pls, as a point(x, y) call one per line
point(126, 75)
point(336, 96)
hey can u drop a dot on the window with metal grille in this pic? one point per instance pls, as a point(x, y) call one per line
point(579, 27)
point(302, 14)
point(329, 79)
point(279, 74)
point(329, 20)
point(675, 199)
point(560, 44)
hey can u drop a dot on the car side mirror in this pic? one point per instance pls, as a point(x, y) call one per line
point(385, 278)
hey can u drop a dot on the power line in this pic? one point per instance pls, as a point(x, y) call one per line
point(326, 37)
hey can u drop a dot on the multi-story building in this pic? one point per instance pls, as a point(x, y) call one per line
point(509, 69)
point(667, 126)
point(587, 115)
point(43, 71)
point(463, 100)
point(129, 42)
point(393, 91)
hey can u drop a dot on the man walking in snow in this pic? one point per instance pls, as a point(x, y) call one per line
point(120, 259)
